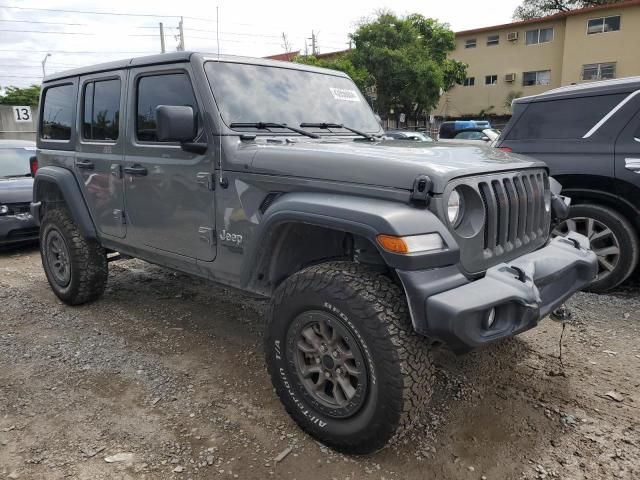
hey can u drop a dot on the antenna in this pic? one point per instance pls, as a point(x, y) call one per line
point(222, 180)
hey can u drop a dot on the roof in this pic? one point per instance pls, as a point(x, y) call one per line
point(619, 85)
point(17, 144)
point(286, 57)
point(178, 57)
point(549, 18)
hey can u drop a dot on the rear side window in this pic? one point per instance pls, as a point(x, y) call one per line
point(563, 119)
point(58, 112)
point(170, 89)
point(101, 110)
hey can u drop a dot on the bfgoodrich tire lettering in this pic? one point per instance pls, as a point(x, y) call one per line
point(371, 313)
point(75, 266)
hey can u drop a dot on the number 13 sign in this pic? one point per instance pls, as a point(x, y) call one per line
point(22, 114)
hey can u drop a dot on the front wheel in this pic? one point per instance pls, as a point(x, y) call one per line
point(344, 359)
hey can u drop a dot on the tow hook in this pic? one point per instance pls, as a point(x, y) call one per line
point(561, 314)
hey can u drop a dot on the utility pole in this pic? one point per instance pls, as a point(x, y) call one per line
point(180, 36)
point(162, 38)
point(314, 43)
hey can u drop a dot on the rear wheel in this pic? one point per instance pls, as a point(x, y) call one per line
point(76, 267)
point(613, 240)
point(344, 359)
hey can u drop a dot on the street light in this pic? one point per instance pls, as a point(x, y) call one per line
point(44, 62)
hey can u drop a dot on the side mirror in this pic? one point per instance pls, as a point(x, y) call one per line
point(175, 123)
point(486, 139)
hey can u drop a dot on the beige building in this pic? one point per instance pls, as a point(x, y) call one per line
point(530, 57)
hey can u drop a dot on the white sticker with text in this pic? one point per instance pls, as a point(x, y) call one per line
point(344, 94)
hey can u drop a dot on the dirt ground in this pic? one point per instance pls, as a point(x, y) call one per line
point(164, 378)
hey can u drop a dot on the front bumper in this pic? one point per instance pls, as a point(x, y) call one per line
point(448, 307)
point(17, 229)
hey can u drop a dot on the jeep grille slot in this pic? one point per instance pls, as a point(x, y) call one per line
point(514, 210)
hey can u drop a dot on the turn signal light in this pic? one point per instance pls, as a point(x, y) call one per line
point(411, 244)
point(506, 149)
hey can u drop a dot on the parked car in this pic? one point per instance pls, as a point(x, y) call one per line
point(370, 250)
point(589, 135)
point(449, 129)
point(408, 135)
point(478, 136)
point(16, 186)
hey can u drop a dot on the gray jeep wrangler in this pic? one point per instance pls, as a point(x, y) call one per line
point(274, 178)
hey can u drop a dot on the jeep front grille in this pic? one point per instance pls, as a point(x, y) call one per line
point(514, 208)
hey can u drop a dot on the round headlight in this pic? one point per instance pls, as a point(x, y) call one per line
point(4, 209)
point(454, 208)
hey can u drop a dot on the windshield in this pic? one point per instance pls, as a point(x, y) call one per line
point(256, 93)
point(14, 162)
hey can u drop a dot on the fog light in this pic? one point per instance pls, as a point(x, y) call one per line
point(491, 318)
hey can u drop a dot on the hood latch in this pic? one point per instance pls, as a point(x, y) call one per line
point(421, 188)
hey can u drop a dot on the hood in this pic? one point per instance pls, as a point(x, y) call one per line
point(16, 190)
point(390, 163)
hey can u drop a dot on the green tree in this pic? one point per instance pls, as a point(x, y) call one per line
point(344, 63)
point(406, 58)
point(21, 96)
point(541, 8)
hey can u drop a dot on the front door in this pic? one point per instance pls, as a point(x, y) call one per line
point(169, 198)
point(101, 149)
point(627, 164)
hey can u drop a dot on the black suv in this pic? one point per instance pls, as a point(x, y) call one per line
point(589, 135)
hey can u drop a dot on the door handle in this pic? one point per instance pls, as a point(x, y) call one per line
point(136, 170)
point(85, 164)
point(632, 164)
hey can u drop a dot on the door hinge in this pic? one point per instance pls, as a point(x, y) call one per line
point(206, 180)
point(207, 234)
point(421, 189)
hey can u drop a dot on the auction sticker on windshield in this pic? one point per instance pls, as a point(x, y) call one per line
point(344, 94)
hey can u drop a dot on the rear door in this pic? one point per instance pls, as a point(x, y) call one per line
point(168, 192)
point(627, 164)
point(100, 149)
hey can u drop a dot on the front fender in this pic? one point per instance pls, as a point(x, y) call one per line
point(366, 217)
point(65, 182)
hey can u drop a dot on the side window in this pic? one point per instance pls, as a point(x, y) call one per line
point(101, 110)
point(58, 113)
point(563, 119)
point(169, 89)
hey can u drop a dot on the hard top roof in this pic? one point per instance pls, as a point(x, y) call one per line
point(603, 87)
point(177, 57)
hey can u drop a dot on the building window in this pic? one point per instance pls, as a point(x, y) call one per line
point(469, 81)
point(493, 40)
point(471, 43)
point(541, 77)
point(491, 79)
point(603, 25)
point(599, 71)
point(539, 35)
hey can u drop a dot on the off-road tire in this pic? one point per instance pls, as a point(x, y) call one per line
point(627, 239)
point(399, 365)
point(87, 260)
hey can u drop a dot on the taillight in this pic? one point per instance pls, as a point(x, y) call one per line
point(33, 165)
point(505, 149)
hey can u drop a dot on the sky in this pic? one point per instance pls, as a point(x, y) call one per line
point(30, 29)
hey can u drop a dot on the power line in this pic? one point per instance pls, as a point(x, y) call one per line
point(75, 33)
point(48, 23)
point(86, 12)
point(75, 53)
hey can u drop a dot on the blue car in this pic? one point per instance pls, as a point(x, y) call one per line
point(16, 185)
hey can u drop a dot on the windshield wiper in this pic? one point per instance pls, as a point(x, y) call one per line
point(326, 126)
point(268, 125)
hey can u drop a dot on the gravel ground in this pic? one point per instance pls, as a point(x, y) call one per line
point(164, 378)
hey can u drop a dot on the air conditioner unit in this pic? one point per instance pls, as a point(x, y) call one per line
point(512, 36)
point(510, 77)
